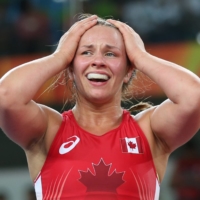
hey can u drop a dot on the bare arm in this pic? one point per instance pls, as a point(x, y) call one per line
point(177, 119)
point(23, 120)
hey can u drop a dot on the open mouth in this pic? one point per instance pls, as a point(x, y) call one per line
point(97, 77)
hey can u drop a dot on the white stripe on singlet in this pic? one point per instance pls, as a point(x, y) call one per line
point(157, 192)
point(38, 188)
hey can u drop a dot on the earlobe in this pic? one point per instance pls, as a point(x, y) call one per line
point(128, 76)
point(71, 74)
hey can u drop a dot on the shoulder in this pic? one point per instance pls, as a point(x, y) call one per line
point(54, 119)
point(143, 117)
point(37, 152)
point(143, 120)
point(157, 146)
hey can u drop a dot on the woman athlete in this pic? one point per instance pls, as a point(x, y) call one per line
point(98, 150)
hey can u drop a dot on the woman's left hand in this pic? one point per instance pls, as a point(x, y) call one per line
point(134, 45)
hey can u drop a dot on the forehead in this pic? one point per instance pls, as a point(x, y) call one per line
point(102, 34)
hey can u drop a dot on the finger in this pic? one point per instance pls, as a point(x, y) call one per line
point(92, 18)
point(73, 35)
point(115, 22)
point(82, 26)
point(119, 25)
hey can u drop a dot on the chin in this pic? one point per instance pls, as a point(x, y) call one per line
point(101, 100)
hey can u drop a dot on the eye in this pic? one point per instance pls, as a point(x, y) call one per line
point(110, 54)
point(87, 53)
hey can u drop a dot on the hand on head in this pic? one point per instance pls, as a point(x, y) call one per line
point(69, 41)
point(133, 43)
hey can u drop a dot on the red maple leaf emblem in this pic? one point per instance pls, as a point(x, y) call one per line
point(102, 180)
point(132, 145)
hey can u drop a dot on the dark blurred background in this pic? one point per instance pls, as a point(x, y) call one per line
point(170, 29)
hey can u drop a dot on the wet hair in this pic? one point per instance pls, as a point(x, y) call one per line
point(127, 88)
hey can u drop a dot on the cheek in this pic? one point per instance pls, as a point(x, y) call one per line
point(119, 67)
point(80, 64)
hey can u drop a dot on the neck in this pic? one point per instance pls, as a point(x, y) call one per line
point(98, 120)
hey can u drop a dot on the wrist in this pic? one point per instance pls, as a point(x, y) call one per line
point(139, 60)
point(60, 60)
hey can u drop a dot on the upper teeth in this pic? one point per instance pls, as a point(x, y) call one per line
point(97, 76)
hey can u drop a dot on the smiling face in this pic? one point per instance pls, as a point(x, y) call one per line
point(100, 65)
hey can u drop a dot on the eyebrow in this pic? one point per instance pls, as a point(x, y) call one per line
point(107, 46)
point(88, 46)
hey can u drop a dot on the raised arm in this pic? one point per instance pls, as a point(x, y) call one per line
point(177, 119)
point(23, 120)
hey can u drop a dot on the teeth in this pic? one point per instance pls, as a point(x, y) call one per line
point(97, 76)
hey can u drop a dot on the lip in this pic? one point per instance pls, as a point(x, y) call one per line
point(94, 83)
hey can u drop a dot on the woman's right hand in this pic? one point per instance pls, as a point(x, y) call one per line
point(69, 41)
point(19, 114)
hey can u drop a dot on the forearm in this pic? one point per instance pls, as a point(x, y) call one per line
point(22, 83)
point(176, 81)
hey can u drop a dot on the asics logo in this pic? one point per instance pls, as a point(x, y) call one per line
point(71, 144)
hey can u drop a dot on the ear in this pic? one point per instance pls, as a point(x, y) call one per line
point(70, 72)
point(128, 75)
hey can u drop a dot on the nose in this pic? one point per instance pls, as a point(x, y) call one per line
point(98, 61)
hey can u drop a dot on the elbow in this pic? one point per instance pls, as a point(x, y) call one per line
point(6, 98)
point(191, 98)
point(194, 99)
point(192, 105)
